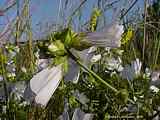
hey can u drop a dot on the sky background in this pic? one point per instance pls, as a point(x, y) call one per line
point(48, 11)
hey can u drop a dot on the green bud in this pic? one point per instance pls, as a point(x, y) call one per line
point(57, 48)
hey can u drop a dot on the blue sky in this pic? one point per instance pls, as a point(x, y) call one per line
point(47, 10)
point(42, 10)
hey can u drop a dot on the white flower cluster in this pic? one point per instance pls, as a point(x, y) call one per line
point(132, 71)
point(114, 64)
point(96, 58)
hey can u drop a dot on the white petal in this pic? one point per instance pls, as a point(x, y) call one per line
point(39, 80)
point(154, 88)
point(119, 31)
point(110, 37)
point(120, 68)
point(92, 49)
point(155, 75)
point(1, 78)
point(96, 58)
point(49, 88)
point(43, 63)
point(107, 49)
point(80, 115)
point(73, 71)
point(113, 63)
point(136, 66)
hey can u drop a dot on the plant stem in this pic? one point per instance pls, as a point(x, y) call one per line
point(95, 75)
point(3, 73)
point(145, 20)
point(2, 59)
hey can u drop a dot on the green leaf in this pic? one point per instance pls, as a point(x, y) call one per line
point(68, 38)
point(94, 19)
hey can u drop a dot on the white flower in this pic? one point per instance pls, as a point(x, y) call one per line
point(154, 88)
point(135, 98)
point(42, 63)
point(136, 66)
point(92, 49)
point(130, 72)
point(120, 68)
point(114, 64)
point(110, 37)
point(96, 58)
point(24, 103)
point(119, 30)
point(155, 76)
point(73, 71)
point(107, 49)
point(44, 84)
point(80, 115)
point(10, 62)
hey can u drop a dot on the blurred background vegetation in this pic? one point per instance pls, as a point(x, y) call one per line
point(23, 40)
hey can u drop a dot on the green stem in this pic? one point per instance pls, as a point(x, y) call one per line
point(95, 75)
point(2, 60)
point(157, 51)
point(3, 73)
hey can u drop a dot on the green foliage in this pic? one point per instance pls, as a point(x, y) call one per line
point(122, 96)
point(127, 36)
point(24, 60)
point(94, 19)
point(93, 82)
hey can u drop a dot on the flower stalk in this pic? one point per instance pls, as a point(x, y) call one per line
point(95, 75)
